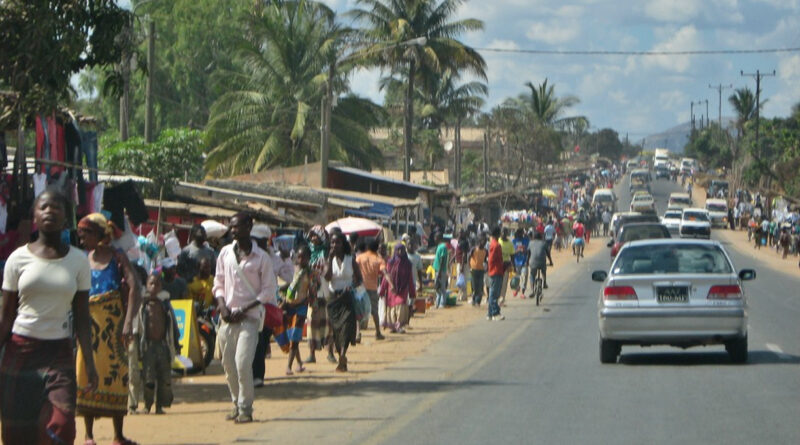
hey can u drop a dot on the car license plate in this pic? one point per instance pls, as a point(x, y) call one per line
point(672, 294)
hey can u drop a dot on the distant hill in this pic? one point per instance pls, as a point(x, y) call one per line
point(675, 138)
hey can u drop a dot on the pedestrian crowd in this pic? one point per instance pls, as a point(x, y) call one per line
point(778, 230)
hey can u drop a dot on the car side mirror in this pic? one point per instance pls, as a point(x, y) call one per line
point(599, 275)
point(747, 274)
point(610, 243)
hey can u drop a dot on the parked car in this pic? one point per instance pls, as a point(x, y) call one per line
point(717, 212)
point(635, 232)
point(672, 220)
point(681, 293)
point(695, 223)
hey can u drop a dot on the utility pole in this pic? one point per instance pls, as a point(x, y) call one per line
point(719, 89)
point(691, 113)
point(486, 161)
point(151, 65)
point(707, 121)
point(758, 75)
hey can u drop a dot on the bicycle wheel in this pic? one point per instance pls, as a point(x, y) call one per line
point(538, 290)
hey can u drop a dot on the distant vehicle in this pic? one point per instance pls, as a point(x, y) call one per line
point(632, 164)
point(606, 198)
point(661, 158)
point(640, 174)
point(662, 171)
point(681, 293)
point(672, 220)
point(716, 187)
point(643, 202)
point(717, 212)
point(695, 224)
point(638, 231)
point(639, 186)
point(619, 220)
point(687, 165)
point(681, 200)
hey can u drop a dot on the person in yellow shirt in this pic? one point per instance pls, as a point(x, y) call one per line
point(200, 287)
point(507, 247)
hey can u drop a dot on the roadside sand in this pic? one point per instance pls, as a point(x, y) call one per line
point(202, 401)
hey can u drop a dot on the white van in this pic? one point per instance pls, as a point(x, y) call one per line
point(717, 212)
point(606, 198)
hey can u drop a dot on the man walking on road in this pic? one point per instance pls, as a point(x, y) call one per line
point(549, 237)
point(496, 270)
point(606, 221)
point(372, 266)
point(244, 282)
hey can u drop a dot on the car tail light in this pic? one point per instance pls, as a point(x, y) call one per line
point(616, 293)
point(727, 292)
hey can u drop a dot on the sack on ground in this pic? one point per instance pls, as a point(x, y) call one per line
point(461, 281)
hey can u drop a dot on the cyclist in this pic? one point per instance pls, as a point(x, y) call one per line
point(538, 261)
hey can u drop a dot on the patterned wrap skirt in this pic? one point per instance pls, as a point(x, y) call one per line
point(110, 357)
point(37, 391)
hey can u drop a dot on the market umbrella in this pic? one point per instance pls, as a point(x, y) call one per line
point(547, 193)
point(351, 224)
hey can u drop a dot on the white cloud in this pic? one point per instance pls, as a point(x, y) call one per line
point(365, 83)
point(554, 32)
point(619, 96)
point(673, 99)
point(672, 11)
point(782, 4)
point(685, 38)
point(788, 90)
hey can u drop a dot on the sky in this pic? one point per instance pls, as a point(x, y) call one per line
point(634, 95)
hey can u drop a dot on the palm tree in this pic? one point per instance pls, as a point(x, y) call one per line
point(548, 108)
point(457, 103)
point(743, 102)
point(267, 120)
point(391, 23)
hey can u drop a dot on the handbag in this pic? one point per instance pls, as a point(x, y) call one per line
point(461, 281)
point(273, 316)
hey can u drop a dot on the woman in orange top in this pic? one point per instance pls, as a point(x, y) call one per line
point(477, 266)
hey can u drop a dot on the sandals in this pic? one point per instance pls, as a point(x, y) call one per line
point(289, 371)
point(301, 368)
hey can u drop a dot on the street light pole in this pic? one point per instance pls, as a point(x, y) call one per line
point(151, 62)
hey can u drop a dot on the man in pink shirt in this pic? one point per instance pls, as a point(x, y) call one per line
point(243, 283)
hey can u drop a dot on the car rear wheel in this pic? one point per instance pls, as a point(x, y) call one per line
point(737, 349)
point(609, 350)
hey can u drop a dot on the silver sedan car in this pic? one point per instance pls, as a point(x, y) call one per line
point(676, 292)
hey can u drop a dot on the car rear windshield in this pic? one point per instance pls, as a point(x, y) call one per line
point(672, 215)
point(602, 197)
point(671, 259)
point(686, 201)
point(695, 216)
point(635, 233)
point(716, 207)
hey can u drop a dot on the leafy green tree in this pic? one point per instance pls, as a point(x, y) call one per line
point(607, 144)
point(45, 42)
point(743, 102)
point(176, 155)
point(394, 24)
point(271, 117)
point(712, 146)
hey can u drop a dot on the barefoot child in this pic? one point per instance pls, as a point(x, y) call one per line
point(158, 344)
point(295, 306)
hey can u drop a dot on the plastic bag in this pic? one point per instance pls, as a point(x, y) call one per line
point(363, 306)
point(461, 281)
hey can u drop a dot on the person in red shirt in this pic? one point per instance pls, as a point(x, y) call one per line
point(577, 244)
point(496, 269)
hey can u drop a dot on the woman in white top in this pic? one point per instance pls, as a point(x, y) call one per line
point(43, 282)
point(342, 274)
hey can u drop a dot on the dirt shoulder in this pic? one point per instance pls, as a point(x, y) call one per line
point(201, 402)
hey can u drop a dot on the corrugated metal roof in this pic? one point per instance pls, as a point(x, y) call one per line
point(348, 204)
point(373, 176)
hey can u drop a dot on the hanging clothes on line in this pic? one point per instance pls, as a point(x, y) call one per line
point(121, 198)
point(50, 143)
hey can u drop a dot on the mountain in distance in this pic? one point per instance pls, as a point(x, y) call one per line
point(675, 138)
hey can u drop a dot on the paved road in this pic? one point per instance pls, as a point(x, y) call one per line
point(536, 378)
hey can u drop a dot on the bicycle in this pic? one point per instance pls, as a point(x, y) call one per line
point(537, 286)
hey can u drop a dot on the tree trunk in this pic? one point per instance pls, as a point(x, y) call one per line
point(409, 117)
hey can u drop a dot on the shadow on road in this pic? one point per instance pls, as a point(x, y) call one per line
point(706, 358)
point(292, 389)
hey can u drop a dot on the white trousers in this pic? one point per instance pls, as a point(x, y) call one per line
point(237, 342)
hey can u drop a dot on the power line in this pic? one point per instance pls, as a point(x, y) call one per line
point(641, 53)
